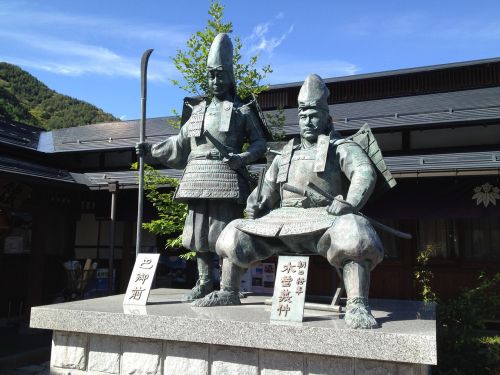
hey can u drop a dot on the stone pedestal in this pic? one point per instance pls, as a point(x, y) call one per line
point(168, 337)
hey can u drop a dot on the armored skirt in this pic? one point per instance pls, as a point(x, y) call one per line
point(205, 221)
point(338, 238)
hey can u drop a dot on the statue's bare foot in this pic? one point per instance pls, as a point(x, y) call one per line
point(219, 298)
point(200, 290)
point(358, 314)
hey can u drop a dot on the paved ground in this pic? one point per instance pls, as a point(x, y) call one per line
point(24, 351)
point(42, 369)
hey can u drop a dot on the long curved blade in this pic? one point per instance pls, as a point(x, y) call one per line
point(142, 136)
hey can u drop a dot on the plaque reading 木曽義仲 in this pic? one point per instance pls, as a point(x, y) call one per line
point(290, 288)
point(141, 279)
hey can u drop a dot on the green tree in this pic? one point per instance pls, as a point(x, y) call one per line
point(462, 345)
point(23, 98)
point(423, 276)
point(171, 214)
point(192, 61)
point(276, 122)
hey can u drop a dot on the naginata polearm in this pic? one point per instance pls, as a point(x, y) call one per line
point(142, 136)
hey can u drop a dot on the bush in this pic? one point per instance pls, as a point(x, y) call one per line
point(461, 349)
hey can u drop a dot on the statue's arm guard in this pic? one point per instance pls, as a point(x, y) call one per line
point(270, 193)
point(255, 136)
point(174, 151)
point(359, 170)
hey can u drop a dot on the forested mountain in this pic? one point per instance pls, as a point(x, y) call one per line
point(23, 98)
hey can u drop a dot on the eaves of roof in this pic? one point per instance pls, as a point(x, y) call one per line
point(395, 72)
point(464, 163)
point(19, 135)
point(451, 162)
point(30, 169)
point(127, 179)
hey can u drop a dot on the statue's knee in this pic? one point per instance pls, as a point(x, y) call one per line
point(352, 238)
point(226, 241)
point(233, 245)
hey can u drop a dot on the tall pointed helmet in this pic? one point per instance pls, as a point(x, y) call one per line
point(313, 94)
point(221, 53)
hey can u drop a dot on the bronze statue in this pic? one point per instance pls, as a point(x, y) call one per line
point(309, 203)
point(209, 149)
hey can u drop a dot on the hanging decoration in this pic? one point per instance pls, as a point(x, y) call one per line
point(486, 194)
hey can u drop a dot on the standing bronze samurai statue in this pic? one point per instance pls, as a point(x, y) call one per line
point(310, 202)
point(208, 147)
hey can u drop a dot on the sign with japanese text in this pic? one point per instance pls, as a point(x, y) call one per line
point(290, 288)
point(141, 279)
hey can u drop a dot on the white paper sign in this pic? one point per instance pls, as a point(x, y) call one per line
point(141, 279)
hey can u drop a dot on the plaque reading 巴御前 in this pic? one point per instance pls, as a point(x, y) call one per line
point(141, 279)
point(290, 288)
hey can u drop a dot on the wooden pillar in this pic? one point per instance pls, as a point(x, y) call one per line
point(40, 229)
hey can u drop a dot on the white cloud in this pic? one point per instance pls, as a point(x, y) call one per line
point(298, 70)
point(13, 16)
point(123, 117)
point(58, 42)
point(74, 58)
point(260, 41)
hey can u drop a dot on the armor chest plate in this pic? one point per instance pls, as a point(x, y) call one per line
point(232, 138)
point(301, 171)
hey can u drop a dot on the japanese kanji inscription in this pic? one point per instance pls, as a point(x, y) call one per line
point(290, 288)
point(141, 279)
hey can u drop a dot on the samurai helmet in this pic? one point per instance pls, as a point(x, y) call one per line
point(313, 94)
point(220, 55)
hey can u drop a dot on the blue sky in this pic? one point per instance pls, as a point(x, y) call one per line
point(91, 49)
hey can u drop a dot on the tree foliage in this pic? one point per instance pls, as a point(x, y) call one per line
point(423, 276)
point(192, 61)
point(276, 122)
point(462, 345)
point(25, 99)
point(171, 214)
point(462, 349)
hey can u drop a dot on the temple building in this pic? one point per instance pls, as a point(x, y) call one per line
point(438, 128)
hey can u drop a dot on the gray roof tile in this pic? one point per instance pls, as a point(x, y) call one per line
point(109, 135)
point(412, 111)
point(31, 169)
point(419, 110)
point(19, 135)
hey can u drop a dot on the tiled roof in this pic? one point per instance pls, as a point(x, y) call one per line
point(20, 135)
point(429, 110)
point(122, 134)
point(411, 111)
point(28, 168)
point(126, 179)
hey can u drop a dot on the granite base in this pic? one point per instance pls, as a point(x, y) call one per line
point(168, 337)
